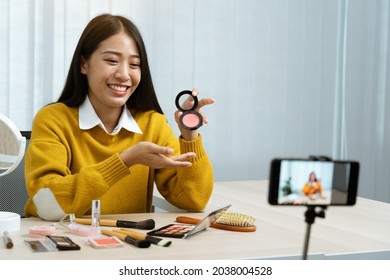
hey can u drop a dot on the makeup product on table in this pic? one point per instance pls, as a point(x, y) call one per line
point(142, 236)
point(185, 231)
point(190, 119)
point(82, 230)
point(41, 231)
point(176, 231)
point(95, 214)
point(128, 239)
point(51, 243)
point(105, 242)
point(63, 243)
point(69, 222)
point(146, 224)
point(40, 245)
point(7, 240)
point(227, 221)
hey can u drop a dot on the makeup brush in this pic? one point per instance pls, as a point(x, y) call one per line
point(142, 236)
point(227, 221)
point(145, 224)
point(128, 239)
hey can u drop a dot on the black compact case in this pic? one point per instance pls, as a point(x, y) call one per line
point(63, 243)
point(190, 119)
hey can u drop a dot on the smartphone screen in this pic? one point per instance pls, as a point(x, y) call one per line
point(312, 182)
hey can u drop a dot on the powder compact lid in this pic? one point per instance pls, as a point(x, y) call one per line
point(190, 119)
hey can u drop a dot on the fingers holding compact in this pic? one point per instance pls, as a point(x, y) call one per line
point(155, 156)
point(201, 103)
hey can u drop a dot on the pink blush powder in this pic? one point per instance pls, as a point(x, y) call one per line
point(191, 120)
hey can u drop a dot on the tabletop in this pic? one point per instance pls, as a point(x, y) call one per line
point(359, 231)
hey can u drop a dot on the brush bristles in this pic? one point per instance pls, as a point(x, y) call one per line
point(142, 244)
point(236, 219)
point(158, 241)
point(146, 224)
point(137, 243)
point(164, 243)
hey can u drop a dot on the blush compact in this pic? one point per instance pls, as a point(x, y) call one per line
point(190, 119)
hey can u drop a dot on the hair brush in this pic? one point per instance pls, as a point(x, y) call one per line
point(227, 221)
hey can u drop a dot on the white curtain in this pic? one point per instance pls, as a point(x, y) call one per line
point(291, 78)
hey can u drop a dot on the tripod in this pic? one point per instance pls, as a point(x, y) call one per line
point(310, 216)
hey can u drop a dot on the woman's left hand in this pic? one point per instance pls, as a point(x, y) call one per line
point(190, 135)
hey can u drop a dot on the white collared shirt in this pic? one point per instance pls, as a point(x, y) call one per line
point(89, 119)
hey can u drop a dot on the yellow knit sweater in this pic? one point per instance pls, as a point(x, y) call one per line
point(66, 167)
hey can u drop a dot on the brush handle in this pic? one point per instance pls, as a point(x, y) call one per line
point(133, 234)
point(193, 221)
point(128, 239)
point(142, 236)
point(103, 222)
point(146, 224)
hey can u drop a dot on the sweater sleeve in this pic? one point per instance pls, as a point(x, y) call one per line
point(188, 188)
point(53, 189)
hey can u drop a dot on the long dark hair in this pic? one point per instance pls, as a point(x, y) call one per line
point(98, 29)
point(315, 177)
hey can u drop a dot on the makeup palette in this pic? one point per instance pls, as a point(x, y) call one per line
point(185, 230)
point(190, 119)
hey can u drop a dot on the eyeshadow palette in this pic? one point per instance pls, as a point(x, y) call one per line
point(173, 230)
point(185, 230)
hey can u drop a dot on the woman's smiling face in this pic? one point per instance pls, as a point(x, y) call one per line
point(113, 72)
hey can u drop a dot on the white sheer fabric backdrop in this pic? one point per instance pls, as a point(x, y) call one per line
point(291, 78)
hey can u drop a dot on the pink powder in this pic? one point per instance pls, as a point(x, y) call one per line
point(191, 120)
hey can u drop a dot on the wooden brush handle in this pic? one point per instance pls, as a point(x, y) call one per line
point(193, 221)
point(103, 222)
point(121, 236)
point(126, 238)
point(187, 220)
point(133, 234)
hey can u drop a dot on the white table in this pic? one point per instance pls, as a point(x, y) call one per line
point(358, 232)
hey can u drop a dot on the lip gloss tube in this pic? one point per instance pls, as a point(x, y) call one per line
point(82, 230)
point(95, 214)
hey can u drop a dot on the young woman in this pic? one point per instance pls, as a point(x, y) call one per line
point(106, 137)
point(313, 188)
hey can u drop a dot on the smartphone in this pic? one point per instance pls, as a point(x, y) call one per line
point(295, 181)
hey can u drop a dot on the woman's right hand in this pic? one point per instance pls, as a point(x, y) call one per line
point(155, 156)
